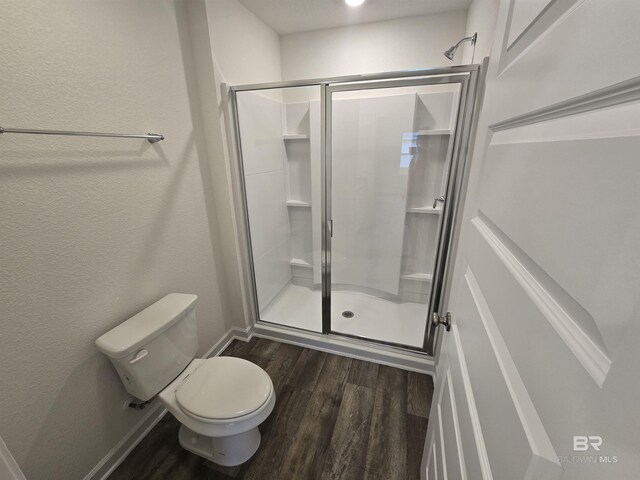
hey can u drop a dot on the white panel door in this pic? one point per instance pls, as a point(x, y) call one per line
point(539, 377)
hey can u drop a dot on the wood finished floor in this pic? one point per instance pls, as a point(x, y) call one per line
point(335, 418)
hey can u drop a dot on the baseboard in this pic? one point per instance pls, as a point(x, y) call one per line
point(243, 334)
point(347, 347)
point(124, 447)
point(227, 338)
point(117, 454)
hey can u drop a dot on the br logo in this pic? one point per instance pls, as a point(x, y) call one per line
point(582, 443)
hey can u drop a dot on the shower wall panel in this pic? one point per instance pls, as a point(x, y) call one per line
point(263, 160)
point(299, 183)
point(316, 188)
point(370, 173)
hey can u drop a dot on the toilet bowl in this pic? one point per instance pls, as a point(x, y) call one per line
point(220, 402)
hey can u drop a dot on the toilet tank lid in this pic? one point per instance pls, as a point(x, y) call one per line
point(142, 327)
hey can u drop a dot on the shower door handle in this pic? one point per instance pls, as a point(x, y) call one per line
point(330, 227)
point(442, 320)
point(438, 199)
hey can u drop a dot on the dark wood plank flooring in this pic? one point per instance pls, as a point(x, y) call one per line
point(335, 418)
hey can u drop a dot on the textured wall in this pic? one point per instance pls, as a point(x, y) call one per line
point(92, 230)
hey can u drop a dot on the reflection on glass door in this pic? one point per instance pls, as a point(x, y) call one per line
point(390, 154)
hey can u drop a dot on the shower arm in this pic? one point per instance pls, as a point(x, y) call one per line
point(472, 39)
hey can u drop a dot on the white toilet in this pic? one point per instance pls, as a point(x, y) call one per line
point(219, 401)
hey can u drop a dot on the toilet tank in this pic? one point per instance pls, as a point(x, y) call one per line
point(154, 346)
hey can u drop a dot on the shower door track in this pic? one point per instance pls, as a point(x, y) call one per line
point(464, 75)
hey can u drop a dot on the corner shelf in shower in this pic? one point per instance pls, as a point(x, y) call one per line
point(298, 262)
point(298, 203)
point(435, 131)
point(295, 136)
point(417, 277)
point(428, 210)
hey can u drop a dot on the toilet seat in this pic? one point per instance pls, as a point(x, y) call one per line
point(212, 427)
point(224, 389)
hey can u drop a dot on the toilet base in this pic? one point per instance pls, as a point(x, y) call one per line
point(225, 451)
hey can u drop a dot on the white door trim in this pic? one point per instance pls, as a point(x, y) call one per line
point(9, 468)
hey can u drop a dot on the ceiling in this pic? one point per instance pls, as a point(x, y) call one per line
point(290, 16)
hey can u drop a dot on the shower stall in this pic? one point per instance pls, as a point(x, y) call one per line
point(350, 188)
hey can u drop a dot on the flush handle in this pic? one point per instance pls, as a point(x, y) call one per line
point(437, 200)
point(139, 356)
point(442, 320)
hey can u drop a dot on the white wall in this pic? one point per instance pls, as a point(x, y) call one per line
point(401, 44)
point(93, 230)
point(245, 49)
point(481, 18)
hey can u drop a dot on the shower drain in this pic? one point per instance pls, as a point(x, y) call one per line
point(348, 314)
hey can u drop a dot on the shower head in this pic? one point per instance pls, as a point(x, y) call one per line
point(452, 51)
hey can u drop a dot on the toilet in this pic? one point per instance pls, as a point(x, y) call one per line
point(220, 401)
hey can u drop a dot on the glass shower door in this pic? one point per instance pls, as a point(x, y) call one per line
point(279, 140)
point(389, 150)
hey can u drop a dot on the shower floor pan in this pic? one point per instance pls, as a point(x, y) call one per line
point(374, 318)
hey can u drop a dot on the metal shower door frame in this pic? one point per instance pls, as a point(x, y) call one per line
point(447, 221)
point(467, 77)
